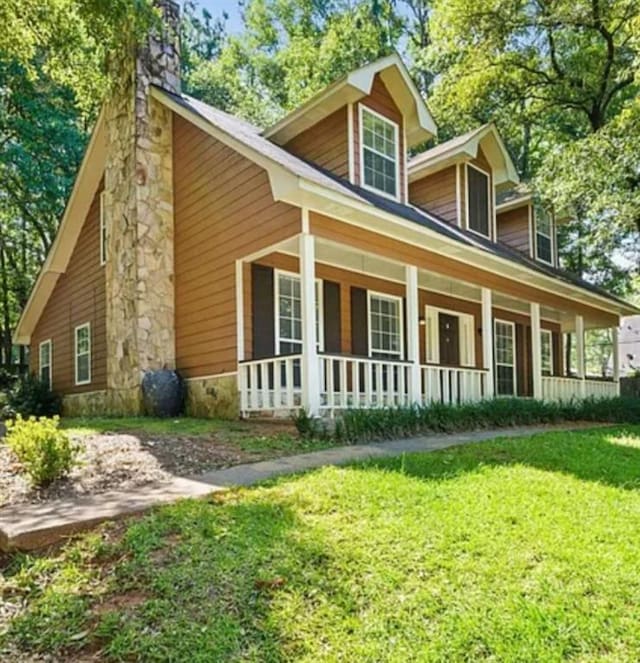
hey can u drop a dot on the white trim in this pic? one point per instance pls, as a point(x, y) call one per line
point(493, 215)
point(309, 364)
point(549, 334)
point(240, 310)
point(489, 222)
point(277, 273)
point(615, 359)
point(458, 195)
point(362, 108)
point(549, 237)
point(536, 349)
point(103, 229)
point(351, 145)
point(48, 342)
point(435, 350)
point(531, 231)
point(487, 340)
point(512, 325)
point(405, 162)
point(228, 374)
point(413, 332)
point(394, 298)
point(86, 325)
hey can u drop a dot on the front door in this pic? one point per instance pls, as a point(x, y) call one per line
point(449, 333)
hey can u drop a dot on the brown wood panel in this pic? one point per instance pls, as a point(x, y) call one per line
point(513, 228)
point(223, 210)
point(436, 193)
point(381, 101)
point(78, 297)
point(372, 242)
point(325, 143)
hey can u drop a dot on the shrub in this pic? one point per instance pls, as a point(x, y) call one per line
point(46, 452)
point(309, 427)
point(33, 397)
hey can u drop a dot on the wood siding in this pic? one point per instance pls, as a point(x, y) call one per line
point(436, 193)
point(350, 281)
point(513, 229)
point(325, 143)
point(223, 210)
point(78, 297)
point(380, 101)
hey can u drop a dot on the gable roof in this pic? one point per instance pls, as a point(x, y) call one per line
point(420, 125)
point(248, 140)
point(467, 145)
point(507, 199)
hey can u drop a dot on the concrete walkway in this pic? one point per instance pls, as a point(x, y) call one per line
point(32, 526)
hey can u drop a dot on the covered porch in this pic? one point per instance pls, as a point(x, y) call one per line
point(326, 326)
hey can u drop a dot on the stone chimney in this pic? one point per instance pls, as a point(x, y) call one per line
point(139, 214)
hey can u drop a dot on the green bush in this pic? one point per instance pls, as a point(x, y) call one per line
point(33, 397)
point(45, 452)
point(393, 422)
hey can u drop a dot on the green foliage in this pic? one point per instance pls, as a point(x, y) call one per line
point(388, 423)
point(511, 550)
point(32, 397)
point(45, 452)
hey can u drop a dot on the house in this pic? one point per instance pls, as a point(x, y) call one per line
point(313, 264)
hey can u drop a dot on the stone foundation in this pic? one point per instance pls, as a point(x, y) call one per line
point(213, 397)
point(87, 404)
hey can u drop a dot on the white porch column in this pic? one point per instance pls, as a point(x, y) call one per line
point(240, 335)
point(536, 350)
point(616, 358)
point(580, 355)
point(487, 341)
point(413, 333)
point(310, 367)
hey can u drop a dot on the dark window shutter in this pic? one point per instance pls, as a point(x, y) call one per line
point(556, 345)
point(332, 318)
point(359, 322)
point(521, 360)
point(405, 328)
point(262, 319)
point(478, 192)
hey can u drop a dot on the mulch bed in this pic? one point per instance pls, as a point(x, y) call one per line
point(122, 461)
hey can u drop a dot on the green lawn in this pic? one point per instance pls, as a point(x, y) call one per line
point(514, 550)
point(150, 425)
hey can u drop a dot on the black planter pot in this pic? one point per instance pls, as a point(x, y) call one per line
point(163, 393)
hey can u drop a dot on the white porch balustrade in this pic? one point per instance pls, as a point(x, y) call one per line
point(446, 384)
point(566, 388)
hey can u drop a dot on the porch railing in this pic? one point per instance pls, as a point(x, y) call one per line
point(565, 388)
point(272, 384)
point(451, 385)
point(360, 382)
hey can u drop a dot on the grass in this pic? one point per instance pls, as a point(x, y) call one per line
point(514, 550)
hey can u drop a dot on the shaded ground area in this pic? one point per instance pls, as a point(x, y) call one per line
point(513, 550)
point(125, 453)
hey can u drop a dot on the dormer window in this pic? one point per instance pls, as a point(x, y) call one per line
point(544, 236)
point(478, 200)
point(379, 153)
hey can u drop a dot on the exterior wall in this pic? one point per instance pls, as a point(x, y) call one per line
point(514, 230)
point(380, 101)
point(78, 297)
point(325, 143)
point(224, 211)
point(436, 193)
point(213, 397)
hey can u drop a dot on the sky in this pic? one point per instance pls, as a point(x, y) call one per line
point(216, 7)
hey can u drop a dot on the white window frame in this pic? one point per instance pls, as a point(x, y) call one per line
point(49, 365)
point(432, 347)
point(277, 273)
point(87, 326)
point(103, 232)
point(489, 216)
point(511, 324)
point(550, 237)
point(396, 132)
point(549, 334)
point(393, 298)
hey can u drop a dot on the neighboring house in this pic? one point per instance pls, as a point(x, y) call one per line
point(629, 345)
point(313, 264)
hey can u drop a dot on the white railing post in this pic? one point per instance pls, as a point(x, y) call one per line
point(413, 333)
point(536, 350)
point(580, 355)
point(310, 367)
point(616, 359)
point(487, 341)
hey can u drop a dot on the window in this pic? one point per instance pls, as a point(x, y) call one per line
point(478, 200)
point(504, 340)
point(83, 354)
point(45, 362)
point(288, 317)
point(385, 325)
point(103, 231)
point(546, 347)
point(466, 335)
point(544, 236)
point(379, 153)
